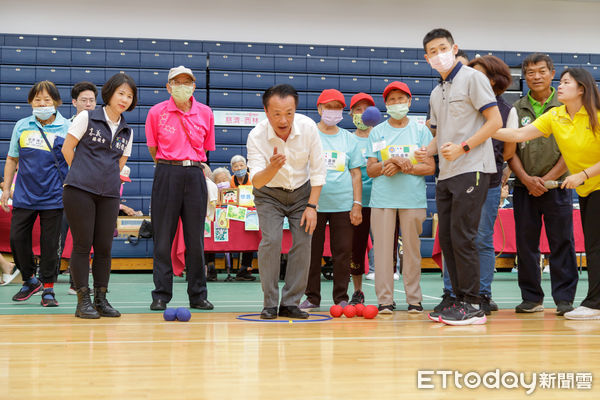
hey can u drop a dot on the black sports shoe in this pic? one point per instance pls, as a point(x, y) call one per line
point(488, 305)
point(245, 274)
point(447, 301)
point(48, 298)
point(358, 297)
point(563, 307)
point(415, 308)
point(529, 307)
point(463, 314)
point(292, 312)
point(27, 290)
point(386, 309)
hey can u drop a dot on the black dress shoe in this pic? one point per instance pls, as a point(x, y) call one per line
point(158, 305)
point(292, 312)
point(268, 313)
point(202, 305)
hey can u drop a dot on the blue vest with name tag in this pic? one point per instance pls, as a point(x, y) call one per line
point(95, 167)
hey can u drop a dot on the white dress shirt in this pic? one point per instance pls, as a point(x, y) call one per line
point(303, 152)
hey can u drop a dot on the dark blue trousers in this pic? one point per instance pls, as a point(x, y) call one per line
point(556, 209)
point(178, 192)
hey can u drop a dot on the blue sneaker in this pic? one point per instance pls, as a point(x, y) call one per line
point(27, 290)
point(49, 299)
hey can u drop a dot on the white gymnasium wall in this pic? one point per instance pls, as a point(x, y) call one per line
point(545, 25)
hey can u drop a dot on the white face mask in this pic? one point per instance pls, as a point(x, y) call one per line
point(332, 117)
point(182, 92)
point(398, 111)
point(442, 62)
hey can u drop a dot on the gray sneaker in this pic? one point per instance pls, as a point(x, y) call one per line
point(529, 307)
point(308, 306)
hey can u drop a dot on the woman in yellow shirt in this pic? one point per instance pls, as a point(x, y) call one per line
point(576, 128)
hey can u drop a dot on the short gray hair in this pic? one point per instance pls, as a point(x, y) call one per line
point(237, 158)
point(221, 170)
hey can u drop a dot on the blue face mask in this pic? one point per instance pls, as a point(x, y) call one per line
point(240, 173)
point(43, 113)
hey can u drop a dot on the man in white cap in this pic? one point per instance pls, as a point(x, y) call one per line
point(179, 131)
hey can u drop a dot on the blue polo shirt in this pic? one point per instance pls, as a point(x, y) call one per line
point(401, 190)
point(341, 154)
point(39, 183)
point(367, 182)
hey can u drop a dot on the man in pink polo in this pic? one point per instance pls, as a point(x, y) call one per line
point(179, 131)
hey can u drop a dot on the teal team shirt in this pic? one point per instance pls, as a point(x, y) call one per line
point(341, 154)
point(400, 190)
point(367, 181)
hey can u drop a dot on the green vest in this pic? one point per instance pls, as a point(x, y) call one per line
point(539, 155)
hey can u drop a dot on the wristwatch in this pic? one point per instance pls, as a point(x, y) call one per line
point(311, 205)
point(465, 147)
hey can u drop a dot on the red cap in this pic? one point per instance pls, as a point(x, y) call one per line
point(331, 95)
point(396, 86)
point(361, 96)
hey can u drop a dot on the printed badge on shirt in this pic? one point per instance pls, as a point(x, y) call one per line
point(121, 143)
point(34, 140)
point(96, 136)
point(335, 160)
point(403, 151)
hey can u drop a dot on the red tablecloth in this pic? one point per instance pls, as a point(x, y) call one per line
point(504, 235)
point(5, 236)
point(240, 240)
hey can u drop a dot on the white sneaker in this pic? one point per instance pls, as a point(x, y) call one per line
point(396, 276)
point(71, 291)
point(370, 276)
point(546, 269)
point(583, 313)
point(8, 278)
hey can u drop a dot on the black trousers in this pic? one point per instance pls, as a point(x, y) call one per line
point(92, 219)
point(590, 215)
point(459, 201)
point(178, 192)
point(360, 241)
point(556, 208)
point(21, 228)
point(340, 240)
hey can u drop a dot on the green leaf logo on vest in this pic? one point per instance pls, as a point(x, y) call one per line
point(525, 120)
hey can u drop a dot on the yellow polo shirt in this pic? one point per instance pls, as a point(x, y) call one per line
point(579, 146)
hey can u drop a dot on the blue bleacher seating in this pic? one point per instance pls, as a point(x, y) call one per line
point(156, 59)
point(245, 133)
point(405, 54)
point(252, 48)
point(252, 99)
point(58, 75)
point(228, 62)
point(94, 75)
point(313, 50)
point(14, 112)
point(254, 80)
point(422, 86)
point(594, 70)
point(62, 42)
point(194, 61)
point(123, 58)
point(6, 128)
point(427, 227)
point(419, 104)
point(143, 110)
point(290, 63)
point(594, 58)
point(321, 82)
point(350, 85)
point(146, 169)
point(220, 47)
point(575, 58)
point(195, 46)
point(227, 135)
point(83, 42)
point(311, 100)
point(13, 93)
point(416, 68)
point(431, 207)
point(121, 44)
point(225, 79)
point(342, 51)
point(372, 52)
point(88, 57)
point(4, 145)
point(298, 81)
point(20, 40)
point(427, 247)
point(226, 98)
point(130, 248)
point(155, 77)
point(53, 56)
point(154, 45)
point(19, 55)
point(387, 67)
point(353, 66)
point(133, 73)
point(378, 84)
point(283, 48)
point(514, 58)
point(322, 65)
point(258, 62)
point(224, 153)
point(152, 96)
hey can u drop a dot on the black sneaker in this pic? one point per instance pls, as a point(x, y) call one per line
point(488, 305)
point(358, 297)
point(27, 290)
point(49, 299)
point(245, 275)
point(415, 308)
point(386, 309)
point(529, 307)
point(447, 301)
point(563, 307)
point(463, 314)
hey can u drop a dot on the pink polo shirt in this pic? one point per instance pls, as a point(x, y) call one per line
point(164, 130)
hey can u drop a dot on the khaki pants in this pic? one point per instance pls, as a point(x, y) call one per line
point(383, 222)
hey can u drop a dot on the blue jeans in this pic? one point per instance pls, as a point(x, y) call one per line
point(485, 244)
